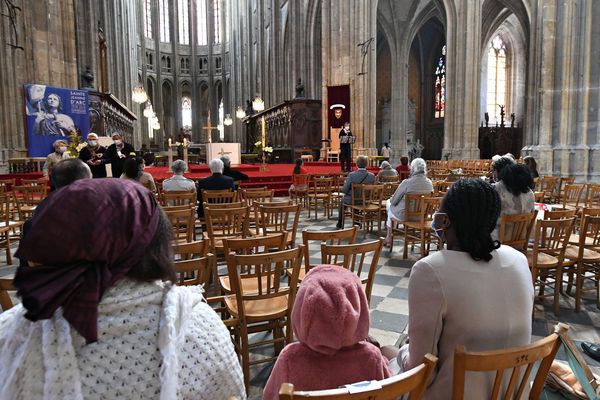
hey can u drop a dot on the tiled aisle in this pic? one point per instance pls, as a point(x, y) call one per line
point(389, 314)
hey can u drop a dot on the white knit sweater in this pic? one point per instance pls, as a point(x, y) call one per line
point(154, 342)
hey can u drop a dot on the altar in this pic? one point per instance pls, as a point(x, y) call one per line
point(218, 150)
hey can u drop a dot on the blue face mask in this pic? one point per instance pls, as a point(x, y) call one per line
point(439, 232)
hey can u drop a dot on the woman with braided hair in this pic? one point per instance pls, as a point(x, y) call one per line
point(475, 292)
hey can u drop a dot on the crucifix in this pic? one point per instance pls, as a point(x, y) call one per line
point(223, 152)
point(209, 128)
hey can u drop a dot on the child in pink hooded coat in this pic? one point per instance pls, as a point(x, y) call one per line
point(331, 322)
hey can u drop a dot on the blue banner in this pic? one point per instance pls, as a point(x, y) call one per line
point(52, 114)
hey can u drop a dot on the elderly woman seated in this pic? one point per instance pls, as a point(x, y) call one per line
point(417, 183)
point(99, 316)
point(385, 171)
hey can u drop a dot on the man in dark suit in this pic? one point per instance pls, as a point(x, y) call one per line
point(117, 153)
point(360, 176)
point(232, 173)
point(346, 148)
point(217, 181)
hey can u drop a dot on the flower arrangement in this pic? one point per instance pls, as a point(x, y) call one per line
point(75, 145)
point(261, 150)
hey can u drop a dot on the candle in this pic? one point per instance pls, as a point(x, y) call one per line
point(169, 142)
point(184, 142)
point(264, 132)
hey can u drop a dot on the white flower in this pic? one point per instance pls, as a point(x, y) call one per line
point(269, 149)
point(259, 143)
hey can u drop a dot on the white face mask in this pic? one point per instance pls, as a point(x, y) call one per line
point(92, 143)
point(62, 149)
point(118, 142)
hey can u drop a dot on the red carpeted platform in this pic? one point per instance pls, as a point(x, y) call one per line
point(278, 176)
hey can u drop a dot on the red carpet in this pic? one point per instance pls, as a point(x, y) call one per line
point(278, 176)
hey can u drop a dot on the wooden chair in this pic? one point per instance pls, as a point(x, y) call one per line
point(589, 242)
point(253, 197)
point(28, 198)
point(337, 237)
point(547, 184)
point(571, 196)
point(333, 155)
point(178, 198)
point(561, 186)
point(182, 221)
point(299, 193)
point(388, 179)
point(225, 223)
point(278, 218)
point(320, 191)
point(587, 260)
point(270, 307)
point(354, 258)
point(366, 209)
point(547, 257)
point(218, 196)
point(592, 196)
point(539, 197)
point(412, 212)
point(9, 228)
point(6, 285)
point(255, 245)
point(187, 251)
point(196, 271)
point(513, 359)
point(337, 195)
point(412, 383)
point(417, 226)
point(515, 230)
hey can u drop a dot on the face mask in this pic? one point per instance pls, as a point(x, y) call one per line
point(93, 143)
point(62, 149)
point(117, 142)
point(439, 232)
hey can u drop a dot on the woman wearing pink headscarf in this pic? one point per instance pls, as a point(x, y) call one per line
point(331, 321)
point(99, 317)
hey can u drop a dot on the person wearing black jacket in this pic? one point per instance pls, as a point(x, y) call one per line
point(345, 148)
point(232, 173)
point(117, 153)
point(217, 181)
point(93, 156)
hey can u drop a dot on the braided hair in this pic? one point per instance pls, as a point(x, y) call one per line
point(473, 207)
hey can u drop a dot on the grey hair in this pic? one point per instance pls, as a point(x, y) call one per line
point(216, 166)
point(226, 161)
point(179, 167)
point(362, 161)
point(56, 142)
point(418, 166)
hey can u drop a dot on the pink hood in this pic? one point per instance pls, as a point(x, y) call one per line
point(331, 310)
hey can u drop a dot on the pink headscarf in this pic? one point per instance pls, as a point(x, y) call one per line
point(86, 237)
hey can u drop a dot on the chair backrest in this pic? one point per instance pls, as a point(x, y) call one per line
point(218, 196)
point(178, 198)
point(563, 182)
point(413, 203)
point(515, 229)
point(35, 182)
point(355, 258)
point(5, 208)
point(429, 206)
point(183, 223)
point(539, 197)
point(370, 193)
point(255, 245)
point(225, 223)
point(559, 214)
point(189, 250)
point(552, 236)
point(6, 285)
point(572, 194)
point(249, 197)
point(223, 206)
point(268, 270)
point(321, 186)
point(592, 196)
point(195, 271)
point(412, 383)
point(548, 184)
point(342, 236)
point(589, 234)
point(300, 180)
point(519, 360)
point(275, 218)
point(389, 189)
point(388, 178)
point(339, 180)
point(30, 195)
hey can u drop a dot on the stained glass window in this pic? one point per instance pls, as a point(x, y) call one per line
point(496, 78)
point(440, 85)
point(184, 21)
point(201, 20)
point(148, 16)
point(165, 25)
point(186, 112)
point(217, 20)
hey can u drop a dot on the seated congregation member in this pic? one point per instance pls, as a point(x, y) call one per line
point(403, 166)
point(498, 164)
point(386, 170)
point(298, 170)
point(93, 156)
point(417, 183)
point(531, 164)
point(474, 293)
point(331, 322)
point(217, 181)
point(360, 176)
point(514, 188)
point(178, 182)
point(133, 169)
point(232, 173)
point(99, 316)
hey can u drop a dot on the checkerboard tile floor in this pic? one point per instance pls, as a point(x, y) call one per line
point(389, 303)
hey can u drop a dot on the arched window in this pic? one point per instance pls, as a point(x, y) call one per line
point(148, 16)
point(440, 85)
point(186, 112)
point(220, 126)
point(496, 78)
point(201, 20)
point(217, 20)
point(163, 15)
point(184, 21)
